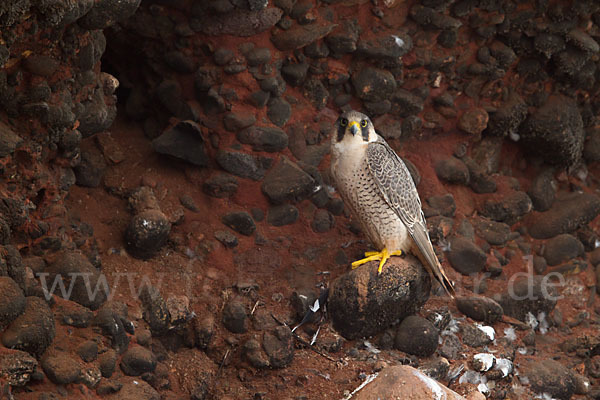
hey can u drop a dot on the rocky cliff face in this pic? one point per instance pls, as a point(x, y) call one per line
point(190, 139)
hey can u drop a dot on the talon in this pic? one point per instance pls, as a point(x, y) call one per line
point(382, 256)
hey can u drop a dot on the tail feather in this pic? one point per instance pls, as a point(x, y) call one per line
point(427, 256)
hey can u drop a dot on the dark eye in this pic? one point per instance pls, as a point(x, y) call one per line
point(343, 122)
point(363, 123)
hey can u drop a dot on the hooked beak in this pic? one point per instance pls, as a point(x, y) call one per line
point(354, 128)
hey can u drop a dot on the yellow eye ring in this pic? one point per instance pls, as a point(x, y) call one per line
point(343, 122)
point(363, 123)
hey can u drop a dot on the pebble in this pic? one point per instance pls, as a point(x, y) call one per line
point(509, 208)
point(283, 214)
point(147, 233)
point(258, 56)
point(473, 121)
point(562, 248)
point(323, 221)
point(495, 233)
point(91, 169)
point(243, 165)
point(549, 376)
point(61, 369)
point(88, 351)
point(506, 120)
point(542, 191)
point(530, 294)
point(204, 329)
point(234, 122)
point(473, 336)
point(452, 170)
point(417, 336)
point(278, 345)
point(582, 40)
point(137, 389)
point(567, 214)
point(408, 104)
point(363, 303)
point(385, 48)
point(300, 36)
point(465, 256)
point(555, 131)
point(444, 205)
point(259, 99)
point(9, 140)
point(107, 363)
point(239, 221)
point(480, 308)
point(373, 84)
point(111, 325)
point(12, 301)
point(220, 185)
point(279, 112)
point(236, 22)
point(42, 65)
point(295, 74)
point(184, 141)
point(169, 94)
point(180, 62)
point(227, 239)
point(288, 182)
point(223, 56)
point(74, 314)
point(235, 317)
point(108, 387)
point(155, 310)
point(16, 367)
point(137, 360)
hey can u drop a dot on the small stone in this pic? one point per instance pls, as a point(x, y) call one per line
point(226, 238)
point(562, 248)
point(444, 205)
point(88, 351)
point(107, 362)
point(223, 56)
point(274, 85)
point(300, 36)
point(236, 22)
point(138, 360)
point(255, 354)
point(495, 233)
point(16, 367)
point(91, 169)
point(12, 301)
point(9, 140)
point(264, 138)
point(543, 190)
point(138, 389)
point(259, 99)
point(567, 214)
point(204, 329)
point(283, 214)
point(323, 221)
point(480, 308)
point(220, 185)
point(184, 141)
point(583, 41)
point(417, 336)
point(407, 103)
point(295, 74)
point(155, 310)
point(258, 56)
point(452, 170)
point(169, 94)
point(288, 182)
point(180, 62)
point(530, 294)
point(508, 209)
point(465, 256)
point(279, 111)
point(505, 120)
point(42, 65)
point(111, 324)
point(474, 336)
point(147, 233)
point(243, 165)
point(279, 346)
point(363, 303)
point(473, 121)
point(240, 222)
point(549, 376)
point(61, 369)
point(107, 387)
point(235, 317)
point(234, 122)
point(374, 85)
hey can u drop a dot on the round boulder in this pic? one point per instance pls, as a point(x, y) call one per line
point(417, 336)
point(147, 233)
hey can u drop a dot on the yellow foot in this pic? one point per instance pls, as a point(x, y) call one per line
point(382, 256)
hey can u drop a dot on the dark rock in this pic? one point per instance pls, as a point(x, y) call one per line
point(106, 12)
point(204, 329)
point(555, 131)
point(155, 310)
point(288, 182)
point(61, 369)
point(258, 56)
point(206, 77)
point(343, 39)
point(42, 65)
point(550, 376)
point(473, 336)
point(235, 317)
point(363, 303)
point(138, 360)
point(583, 41)
point(74, 315)
point(223, 56)
point(300, 36)
point(495, 233)
point(242, 164)
point(107, 362)
point(233, 122)
point(480, 308)
point(259, 99)
point(255, 354)
point(220, 185)
point(374, 85)
point(316, 93)
point(91, 169)
point(147, 233)
point(473, 121)
point(238, 22)
point(264, 138)
point(448, 38)
point(429, 17)
point(452, 170)
point(180, 62)
point(16, 367)
point(170, 96)
point(111, 325)
point(508, 209)
point(407, 103)
point(283, 214)
point(274, 85)
point(506, 120)
point(549, 44)
point(465, 256)
point(385, 48)
point(543, 190)
point(530, 294)
point(95, 115)
point(295, 74)
point(12, 301)
point(188, 202)
point(184, 141)
point(138, 389)
point(240, 221)
point(417, 336)
point(279, 346)
point(227, 239)
point(562, 248)
point(444, 205)
point(87, 286)
point(107, 387)
point(567, 214)
point(504, 55)
point(323, 221)
point(279, 112)
point(88, 351)
point(9, 140)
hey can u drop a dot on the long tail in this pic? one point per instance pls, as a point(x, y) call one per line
point(427, 256)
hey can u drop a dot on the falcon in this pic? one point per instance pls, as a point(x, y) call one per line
point(376, 186)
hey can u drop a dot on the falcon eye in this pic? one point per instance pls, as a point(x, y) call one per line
point(343, 122)
point(363, 123)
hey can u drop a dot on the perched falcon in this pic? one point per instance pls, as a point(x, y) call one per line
point(377, 187)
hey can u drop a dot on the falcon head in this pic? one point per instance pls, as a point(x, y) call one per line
point(353, 127)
